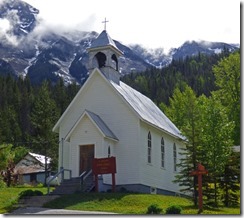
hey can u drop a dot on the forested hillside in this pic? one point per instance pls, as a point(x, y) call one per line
point(159, 84)
point(28, 113)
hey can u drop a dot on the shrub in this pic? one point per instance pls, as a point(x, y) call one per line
point(30, 192)
point(154, 209)
point(40, 185)
point(2, 183)
point(174, 209)
point(123, 190)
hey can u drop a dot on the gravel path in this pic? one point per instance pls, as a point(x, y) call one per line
point(34, 205)
point(41, 210)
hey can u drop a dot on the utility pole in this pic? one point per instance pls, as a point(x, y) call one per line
point(45, 144)
point(62, 160)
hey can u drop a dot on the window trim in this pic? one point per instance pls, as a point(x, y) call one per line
point(162, 153)
point(175, 157)
point(149, 148)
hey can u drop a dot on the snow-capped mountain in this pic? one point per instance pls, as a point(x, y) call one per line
point(20, 17)
point(26, 49)
point(158, 58)
point(155, 57)
point(191, 48)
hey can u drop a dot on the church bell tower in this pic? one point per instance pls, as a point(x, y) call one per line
point(104, 55)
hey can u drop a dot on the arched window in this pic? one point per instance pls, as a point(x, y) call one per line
point(149, 148)
point(115, 62)
point(162, 152)
point(175, 157)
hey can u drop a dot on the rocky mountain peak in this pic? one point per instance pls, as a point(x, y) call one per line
point(54, 54)
point(20, 17)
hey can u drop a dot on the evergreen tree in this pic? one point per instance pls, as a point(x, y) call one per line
point(26, 103)
point(71, 90)
point(230, 181)
point(159, 84)
point(43, 117)
point(10, 130)
point(60, 95)
point(184, 112)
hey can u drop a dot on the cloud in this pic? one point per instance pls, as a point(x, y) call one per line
point(8, 24)
point(4, 25)
point(2, 2)
point(44, 27)
point(6, 32)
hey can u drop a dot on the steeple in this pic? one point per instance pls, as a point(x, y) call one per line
point(104, 54)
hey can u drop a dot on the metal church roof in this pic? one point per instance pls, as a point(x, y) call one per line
point(147, 110)
point(102, 125)
point(103, 40)
point(99, 123)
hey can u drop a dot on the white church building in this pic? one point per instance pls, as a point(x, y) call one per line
point(109, 118)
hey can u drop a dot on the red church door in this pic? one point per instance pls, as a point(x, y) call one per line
point(86, 157)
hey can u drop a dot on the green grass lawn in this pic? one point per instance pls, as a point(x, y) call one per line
point(122, 203)
point(9, 197)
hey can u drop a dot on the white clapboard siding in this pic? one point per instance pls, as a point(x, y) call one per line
point(153, 174)
point(101, 98)
point(86, 133)
point(64, 160)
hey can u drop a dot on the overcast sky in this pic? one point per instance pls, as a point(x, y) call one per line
point(152, 23)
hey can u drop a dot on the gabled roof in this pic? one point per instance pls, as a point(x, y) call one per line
point(103, 40)
point(98, 122)
point(40, 158)
point(146, 109)
point(139, 103)
point(34, 165)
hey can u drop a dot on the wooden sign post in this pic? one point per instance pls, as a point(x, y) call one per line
point(199, 172)
point(104, 166)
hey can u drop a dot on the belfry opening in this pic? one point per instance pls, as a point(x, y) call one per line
point(101, 59)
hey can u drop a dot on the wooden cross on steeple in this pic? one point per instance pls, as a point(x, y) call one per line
point(105, 21)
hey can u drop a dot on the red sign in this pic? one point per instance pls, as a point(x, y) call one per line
point(104, 165)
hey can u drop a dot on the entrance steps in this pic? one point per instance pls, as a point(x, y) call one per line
point(75, 185)
point(88, 184)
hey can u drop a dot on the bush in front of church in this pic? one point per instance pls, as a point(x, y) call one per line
point(154, 209)
point(174, 209)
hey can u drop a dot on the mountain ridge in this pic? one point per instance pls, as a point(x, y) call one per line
point(26, 49)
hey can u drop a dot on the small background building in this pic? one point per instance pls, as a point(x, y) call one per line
point(31, 169)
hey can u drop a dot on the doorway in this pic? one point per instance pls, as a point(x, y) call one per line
point(86, 157)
